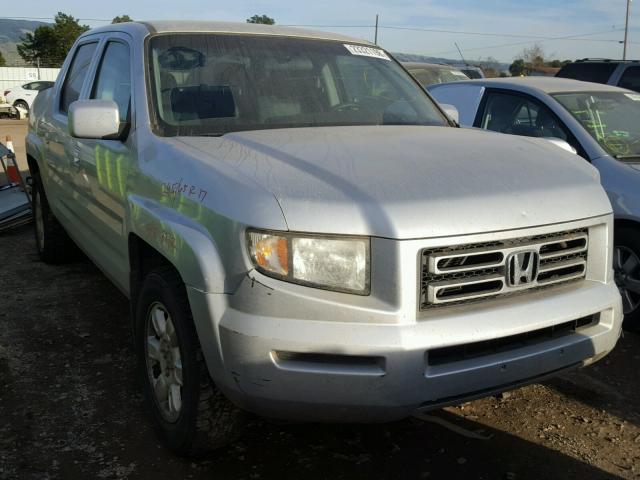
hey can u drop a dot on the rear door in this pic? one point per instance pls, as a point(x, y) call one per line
point(103, 165)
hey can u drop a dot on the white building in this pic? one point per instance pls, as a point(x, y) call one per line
point(12, 76)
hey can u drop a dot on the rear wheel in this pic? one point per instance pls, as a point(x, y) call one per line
point(22, 104)
point(190, 414)
point(626, 264)
point(53, 244)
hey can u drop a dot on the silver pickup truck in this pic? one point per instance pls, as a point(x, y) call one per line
point(304, 234)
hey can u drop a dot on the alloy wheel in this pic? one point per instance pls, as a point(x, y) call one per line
point(164, 362)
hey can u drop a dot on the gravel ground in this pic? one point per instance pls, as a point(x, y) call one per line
point(72, 407)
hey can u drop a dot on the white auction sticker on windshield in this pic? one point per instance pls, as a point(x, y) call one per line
point(633, 96)
point(367, 51)
point(458, 74)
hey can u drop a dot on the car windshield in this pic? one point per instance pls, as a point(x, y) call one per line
point(212, 84)
point(612, 118)
point(434, 75)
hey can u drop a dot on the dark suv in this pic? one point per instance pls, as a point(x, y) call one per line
point(622, 73)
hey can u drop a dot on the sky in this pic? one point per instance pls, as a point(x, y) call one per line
point(481, 28)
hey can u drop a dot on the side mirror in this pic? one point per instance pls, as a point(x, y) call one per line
point(563, 144)
point(99, 119)
point(451, 111)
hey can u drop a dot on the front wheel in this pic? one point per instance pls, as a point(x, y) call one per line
point(626, 265)
point(190, 414)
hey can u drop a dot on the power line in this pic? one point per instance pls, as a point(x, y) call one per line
point(549, 39)
point(485, 34)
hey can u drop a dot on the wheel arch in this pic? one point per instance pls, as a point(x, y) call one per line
point(32, 163)
point(158, 235)
point(626, 223)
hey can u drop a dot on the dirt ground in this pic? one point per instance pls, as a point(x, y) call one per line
point(71, 406)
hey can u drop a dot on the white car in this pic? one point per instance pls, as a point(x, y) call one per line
point(23, 95)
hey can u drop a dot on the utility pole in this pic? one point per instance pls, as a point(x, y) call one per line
point(460, 52)
point(375, 38)
point(626, 31)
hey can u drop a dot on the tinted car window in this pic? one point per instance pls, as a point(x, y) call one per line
point(433, 75)
point(76, 75)
point(41, 85)
point(113, 81)
point(517, 115)
point(588, 72)
point(211, 84)
point(631, 79)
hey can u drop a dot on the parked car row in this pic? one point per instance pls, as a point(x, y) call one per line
point(305, 234)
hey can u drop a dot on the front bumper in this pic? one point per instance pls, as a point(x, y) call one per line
point(292, 352)
point(364, 372)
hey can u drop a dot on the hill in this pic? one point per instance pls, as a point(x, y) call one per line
point(11, 32)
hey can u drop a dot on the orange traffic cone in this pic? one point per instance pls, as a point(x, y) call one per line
point(13, 175)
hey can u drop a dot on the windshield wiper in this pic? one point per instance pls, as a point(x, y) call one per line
point(629, 156)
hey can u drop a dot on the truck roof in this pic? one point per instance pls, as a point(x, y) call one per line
point(188, 26)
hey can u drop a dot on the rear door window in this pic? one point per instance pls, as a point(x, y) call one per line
point(519, 115)
point(76, 74)
point(631, 79)
point(588, 72)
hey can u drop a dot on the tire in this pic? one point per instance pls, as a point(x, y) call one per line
point(53, 244)
point(626, 264)
point(22, 104)
point(205, 419)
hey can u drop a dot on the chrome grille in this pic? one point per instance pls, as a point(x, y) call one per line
point(478, 271)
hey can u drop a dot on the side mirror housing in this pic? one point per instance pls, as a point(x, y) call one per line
point(99, 119)
point(451, 111)
point(563, 144)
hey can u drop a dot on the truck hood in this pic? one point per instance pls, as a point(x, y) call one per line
point(410, 181)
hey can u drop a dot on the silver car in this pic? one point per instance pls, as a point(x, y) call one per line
point(303, 234)
point(601, 122)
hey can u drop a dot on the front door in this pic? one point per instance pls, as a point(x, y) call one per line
point(103, 165)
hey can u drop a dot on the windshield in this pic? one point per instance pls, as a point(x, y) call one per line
point(433, 75)
point(612, 118)
point(212, 84)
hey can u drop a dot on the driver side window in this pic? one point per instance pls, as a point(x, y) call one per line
point(519, 115)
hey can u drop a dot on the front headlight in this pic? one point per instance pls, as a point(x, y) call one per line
point(329, 262)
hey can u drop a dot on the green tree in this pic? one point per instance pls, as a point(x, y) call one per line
point(3, 62)
point(122, 19)
point(261, 19)
point(48, 44)
point(517, 68)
